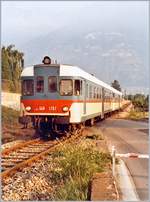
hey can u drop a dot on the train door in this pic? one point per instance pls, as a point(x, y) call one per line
point(84, 96)
point(103, 100)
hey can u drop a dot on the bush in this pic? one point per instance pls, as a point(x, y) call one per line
point(136, 115)
point(9, 116)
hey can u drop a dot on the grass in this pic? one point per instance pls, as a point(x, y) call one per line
point(75, 165)
point(9, 116)
point(95, 136)
point(9, 124)
point(137, 115)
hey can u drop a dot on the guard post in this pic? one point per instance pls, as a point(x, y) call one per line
point(113, 160)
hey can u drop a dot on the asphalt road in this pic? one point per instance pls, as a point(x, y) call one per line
point(130, 137)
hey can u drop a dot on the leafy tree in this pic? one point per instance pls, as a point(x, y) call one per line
point(140, 102)
point(115, 84)
point(12, 64)
point(146, 105)
point(5, 65)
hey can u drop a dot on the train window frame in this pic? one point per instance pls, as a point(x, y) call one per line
point(50, 89)
point(60, 87)
point(77, 92)
point(31, 93)
point(42, 89)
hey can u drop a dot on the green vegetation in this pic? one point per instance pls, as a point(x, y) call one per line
point(12, 64)
point(115, 84)
point(74, 167)
point(140, 102)
point(137, 115)
point(9, 116)
point(95, 136)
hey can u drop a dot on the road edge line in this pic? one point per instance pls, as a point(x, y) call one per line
point(124, 179)
point(125, 182)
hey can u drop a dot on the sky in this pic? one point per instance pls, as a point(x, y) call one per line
point(23, 21)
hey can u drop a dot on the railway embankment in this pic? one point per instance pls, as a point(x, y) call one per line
point(11, 129)
point(131, 113)
point(68, 173)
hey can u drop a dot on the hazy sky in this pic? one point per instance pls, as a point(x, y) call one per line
point(22, 21)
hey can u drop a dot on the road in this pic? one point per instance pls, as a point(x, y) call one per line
point(130, 137)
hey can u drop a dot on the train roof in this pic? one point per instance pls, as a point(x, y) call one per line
point(69, 70)
point(27, 71)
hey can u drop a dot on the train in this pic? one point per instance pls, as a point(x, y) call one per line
point(61, 97)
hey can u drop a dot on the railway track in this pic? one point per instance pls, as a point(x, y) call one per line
point(25, 154)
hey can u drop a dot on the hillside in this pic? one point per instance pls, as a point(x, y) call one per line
point(107, 54)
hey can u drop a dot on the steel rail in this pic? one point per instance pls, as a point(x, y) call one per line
point(38, 156)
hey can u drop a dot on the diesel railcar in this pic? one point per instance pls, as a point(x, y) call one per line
point(63, 97)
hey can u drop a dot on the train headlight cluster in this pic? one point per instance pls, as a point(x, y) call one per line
point(46, 60)
point(28, 108)
point(65, 109)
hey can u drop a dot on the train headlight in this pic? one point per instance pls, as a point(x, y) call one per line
point(65, 109)
point(46, 60)
point(28, 108)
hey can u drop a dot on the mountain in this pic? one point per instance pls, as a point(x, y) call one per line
point(105, 53)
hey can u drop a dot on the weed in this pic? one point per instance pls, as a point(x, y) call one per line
point(95, 137)
point(9, 116)
point(75, 166)
point(137, 115)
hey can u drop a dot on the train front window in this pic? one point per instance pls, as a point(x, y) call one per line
point(52, 84)
point(77, 87)
point(40, 84)
point(27, 87)
point(66, 87)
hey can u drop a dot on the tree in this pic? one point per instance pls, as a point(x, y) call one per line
point(12, 64)
point(115, 84)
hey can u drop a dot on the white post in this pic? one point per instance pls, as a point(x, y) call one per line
point(113, 160)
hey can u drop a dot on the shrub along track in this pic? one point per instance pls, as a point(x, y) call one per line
point(25, 154)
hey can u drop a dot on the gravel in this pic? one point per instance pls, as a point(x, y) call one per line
point(10, 144)
point(33, 183)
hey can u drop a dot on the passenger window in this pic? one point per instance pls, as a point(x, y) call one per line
point(52, 84)
point(27, 87)
point(87, 90)
point(95, 92)
point(77, 87)
point(40, 84)
point(66, 87)
point(100, 93)
point(90, 90)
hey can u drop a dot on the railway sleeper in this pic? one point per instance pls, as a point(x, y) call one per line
point(4, 164)
point(30, 153)
point(15, 157)
point(32, 150)
point(12, 160)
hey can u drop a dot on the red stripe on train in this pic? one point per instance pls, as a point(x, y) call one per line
point(53, 106)
point(47, 106)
